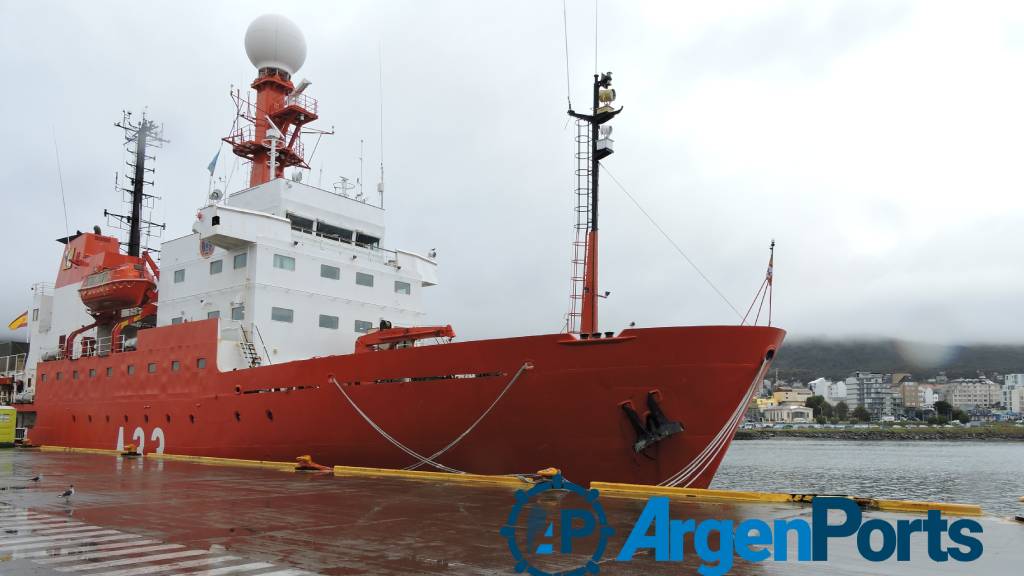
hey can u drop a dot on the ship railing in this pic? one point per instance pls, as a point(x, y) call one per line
point(90, 347)
point(307, 103)
point(43, 288)
point(12, 366)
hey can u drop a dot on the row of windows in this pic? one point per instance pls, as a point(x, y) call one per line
point(129, 370)
point(324, 320)
point(237, 313)
point(288, 263)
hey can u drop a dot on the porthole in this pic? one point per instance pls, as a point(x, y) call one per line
point(192, 418)
point(168, 418)
point(238, 416)
point(145, 418)
point(270, 415)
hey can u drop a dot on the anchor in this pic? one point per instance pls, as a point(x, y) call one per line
point(657, 426)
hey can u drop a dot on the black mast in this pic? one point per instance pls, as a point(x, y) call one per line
point(143, 134)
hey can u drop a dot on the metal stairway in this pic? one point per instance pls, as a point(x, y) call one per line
point(582, 225)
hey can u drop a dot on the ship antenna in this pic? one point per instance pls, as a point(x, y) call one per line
point(361, 169)
point(60, 183)
point(380, 93)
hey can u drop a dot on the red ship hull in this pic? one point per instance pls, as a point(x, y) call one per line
point(564, 411)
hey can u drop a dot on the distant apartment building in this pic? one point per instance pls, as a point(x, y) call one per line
point(970, 393)
point(832, 392)
point(1013, 400)
point(875, 393)
point(788, 413)
point(917, 396)
point(795, 396)
point(1012, 381)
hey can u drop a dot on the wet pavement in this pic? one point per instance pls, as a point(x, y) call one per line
point(143, 516)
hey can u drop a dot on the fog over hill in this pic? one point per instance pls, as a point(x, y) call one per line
point(806, 360)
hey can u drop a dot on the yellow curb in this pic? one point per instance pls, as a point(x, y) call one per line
point(430, 476)
point(285, 466)
point(642, 491)
point(73, 450)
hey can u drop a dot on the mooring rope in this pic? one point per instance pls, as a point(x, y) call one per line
point(420, 459)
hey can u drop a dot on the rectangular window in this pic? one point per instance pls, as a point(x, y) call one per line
point(177, 320)
point(110, 371)
point(333, 232)
point(284, 262)
point(35, 314)
point(238, 313)
point(42, 378)
point(281, 314)
point(216, 266)
point(241, 260)
point(74, 374)
point(213, 314)
point(92, 372)
point(332, 272)
point(200, 363)
point(363, 326)
point(364, 279)
point(59, 374)
point(366, 239)
point(328, 321)
point(402, 287)
point(175, 365)
point(179, 276)
point(131, 369)
point(151, 368)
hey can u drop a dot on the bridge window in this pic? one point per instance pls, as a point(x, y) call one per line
point(241, 260)
point(213, 314)
point(402, 287)
point(284, 262)
point(363, 326)
point(216, 266)
point(364, 279)
point(282, 314)
point(333, 232)
point(367, 240)
point(328, 321)
point(179, 276)
point(299, 223)
point(332, 272)
point(238, 313)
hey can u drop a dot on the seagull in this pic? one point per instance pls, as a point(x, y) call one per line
point(67, 493)
point(36, 479)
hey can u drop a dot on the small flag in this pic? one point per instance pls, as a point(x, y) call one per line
point(19, 322)
point(213, 163)
point(768, 275)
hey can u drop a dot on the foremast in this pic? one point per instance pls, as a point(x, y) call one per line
point(593, 143)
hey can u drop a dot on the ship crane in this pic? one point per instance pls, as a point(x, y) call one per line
point(392, 337)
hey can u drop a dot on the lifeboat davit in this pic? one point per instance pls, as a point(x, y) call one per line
point(107, 291)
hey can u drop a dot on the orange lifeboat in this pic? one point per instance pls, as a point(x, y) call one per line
point(115, 289)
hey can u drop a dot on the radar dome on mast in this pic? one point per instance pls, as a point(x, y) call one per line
point(273, 41)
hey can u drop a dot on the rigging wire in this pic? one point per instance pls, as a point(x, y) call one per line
point(565, 30)
point(60, 182)
point(595, 37)
point(671, 241)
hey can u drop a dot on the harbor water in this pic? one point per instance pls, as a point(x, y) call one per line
point(988, 473)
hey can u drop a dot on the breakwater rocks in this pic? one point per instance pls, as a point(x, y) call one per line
point(1011, 433)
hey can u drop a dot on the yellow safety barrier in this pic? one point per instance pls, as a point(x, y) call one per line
point(285, 466)
point(642, 491)
point(430, 476)
point(71, 449)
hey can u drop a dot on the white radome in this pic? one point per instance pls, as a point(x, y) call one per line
point(273, 41)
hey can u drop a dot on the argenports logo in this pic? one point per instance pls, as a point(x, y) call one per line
point(547, 533)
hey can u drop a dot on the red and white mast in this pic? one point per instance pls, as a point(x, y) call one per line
point(594, 143)
point(268, 133)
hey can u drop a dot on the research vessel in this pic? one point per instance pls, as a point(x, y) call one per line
point(282, 326)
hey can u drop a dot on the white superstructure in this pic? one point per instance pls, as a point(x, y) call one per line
point(292, 272)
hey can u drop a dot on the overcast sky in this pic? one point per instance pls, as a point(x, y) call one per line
point(879, 143)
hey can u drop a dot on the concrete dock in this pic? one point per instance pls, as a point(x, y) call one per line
point(140, 516)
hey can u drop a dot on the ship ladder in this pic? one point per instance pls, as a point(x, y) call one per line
point(431, 460)
point(248, 350)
